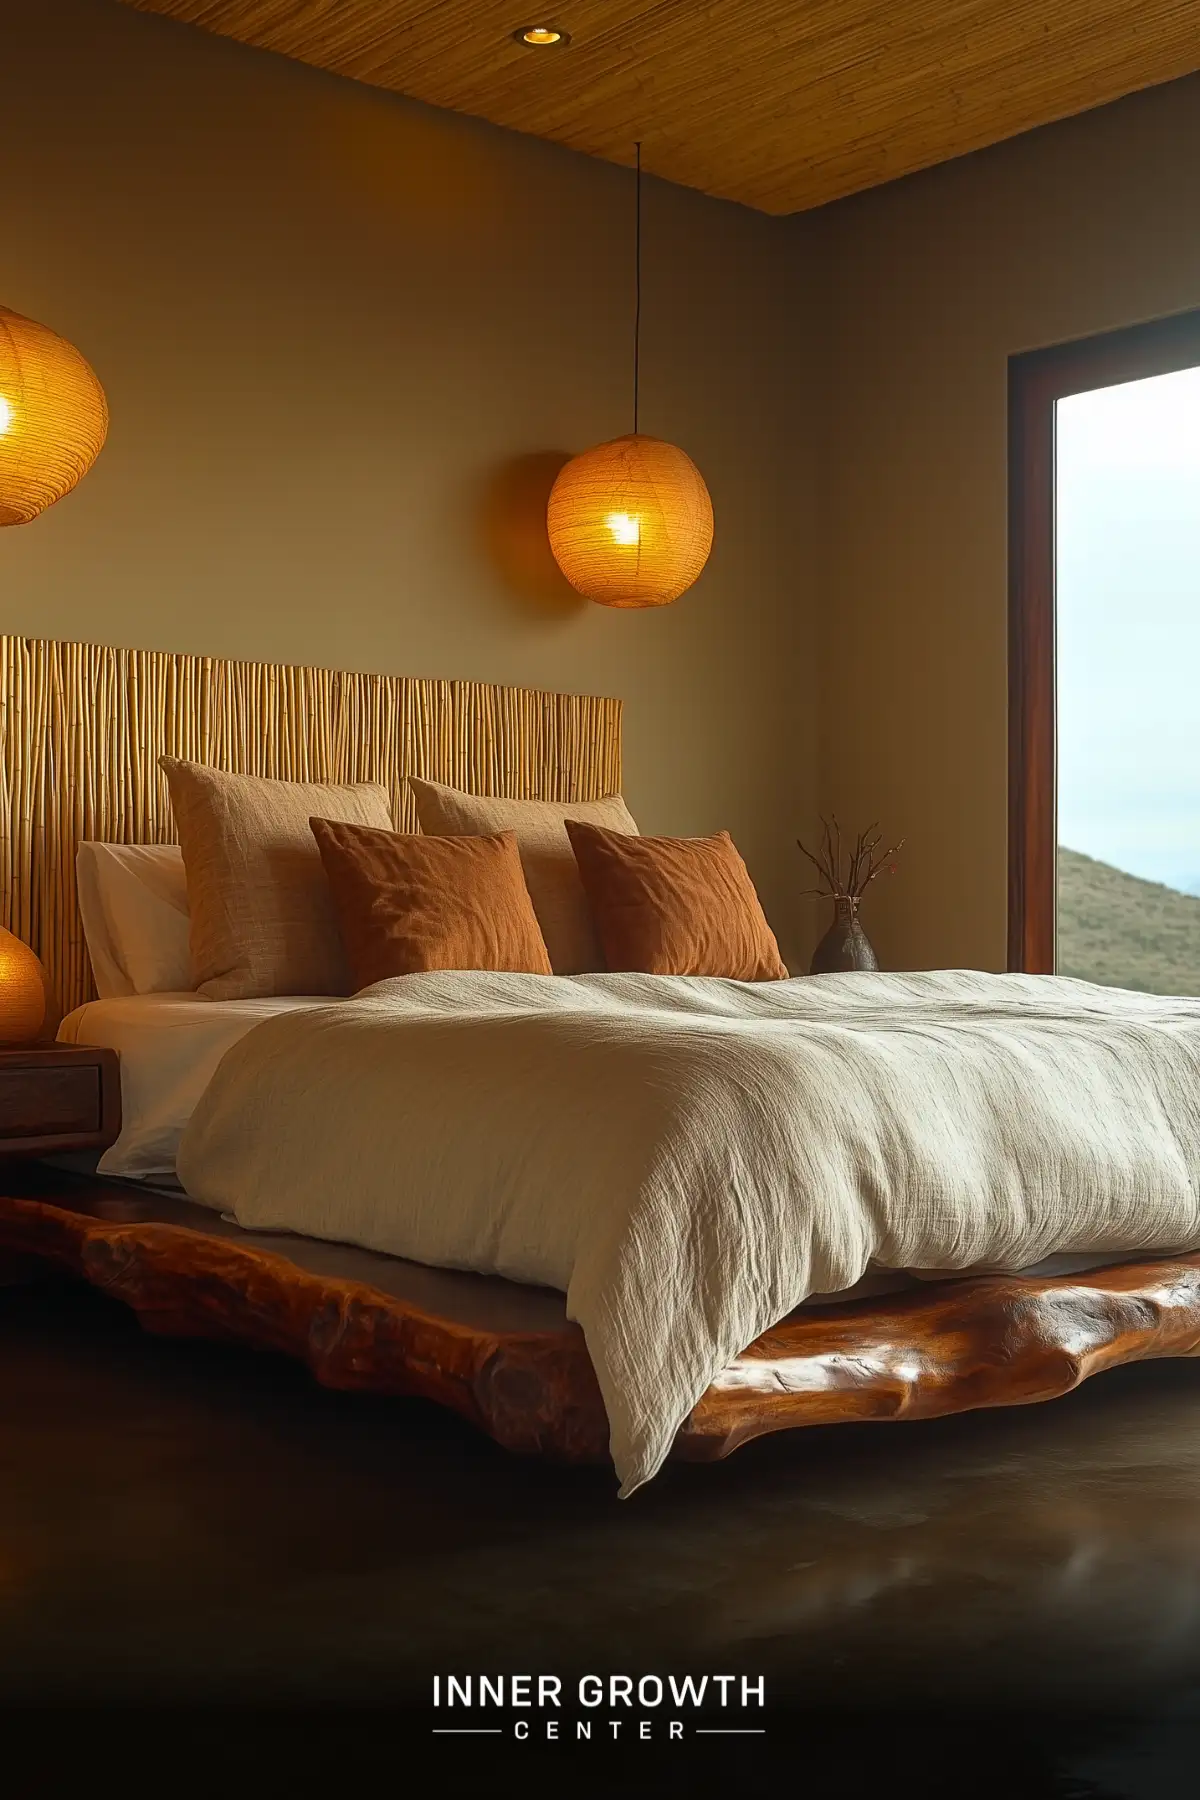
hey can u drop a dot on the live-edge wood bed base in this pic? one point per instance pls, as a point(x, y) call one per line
point(949, 1347)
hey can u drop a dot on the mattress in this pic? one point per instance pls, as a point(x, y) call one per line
point(169, 1047)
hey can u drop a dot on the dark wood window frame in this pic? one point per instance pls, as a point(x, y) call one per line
point(1037, 380)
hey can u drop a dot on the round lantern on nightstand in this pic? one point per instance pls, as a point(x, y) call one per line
point(22, 992)
point(53, 418)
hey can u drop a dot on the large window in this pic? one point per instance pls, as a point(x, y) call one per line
point(1105, 659)
point(1127, 659)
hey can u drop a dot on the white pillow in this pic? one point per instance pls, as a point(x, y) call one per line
point(134, 906)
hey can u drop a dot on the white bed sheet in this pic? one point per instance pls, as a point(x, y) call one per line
point(169, 1046)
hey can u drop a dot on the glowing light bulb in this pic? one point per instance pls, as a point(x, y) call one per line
point(6, 414)
point(541, 35)
point(626, 528)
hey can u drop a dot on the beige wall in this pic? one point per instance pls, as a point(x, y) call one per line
point(932, 282)
point(347, 338)
point(344, 338)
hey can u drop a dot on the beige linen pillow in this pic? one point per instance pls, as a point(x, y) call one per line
point(262, 919)
point(551, 872)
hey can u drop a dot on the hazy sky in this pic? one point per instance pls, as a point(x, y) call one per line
point(1129, 626)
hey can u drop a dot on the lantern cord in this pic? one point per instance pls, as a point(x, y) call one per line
point(637, 278)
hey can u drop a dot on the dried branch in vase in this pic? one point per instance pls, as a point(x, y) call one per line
point(847, 876)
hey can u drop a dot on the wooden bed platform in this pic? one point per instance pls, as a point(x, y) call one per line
point(505, 1356)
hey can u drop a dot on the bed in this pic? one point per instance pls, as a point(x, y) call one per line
point(801, 1201)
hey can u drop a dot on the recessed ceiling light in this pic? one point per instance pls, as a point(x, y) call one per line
point(541, 37)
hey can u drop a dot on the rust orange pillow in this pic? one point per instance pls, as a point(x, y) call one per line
point(406, 904)
point(675, 906)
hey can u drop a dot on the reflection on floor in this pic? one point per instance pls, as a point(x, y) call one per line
point(182, 1523)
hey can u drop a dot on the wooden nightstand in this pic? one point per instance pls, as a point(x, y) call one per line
point(56, 1097)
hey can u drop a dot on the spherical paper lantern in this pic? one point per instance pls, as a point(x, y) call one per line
point(22, 991)
point(53, 418)
point(630, 522)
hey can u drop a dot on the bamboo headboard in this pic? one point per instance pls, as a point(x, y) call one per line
point(82, 727)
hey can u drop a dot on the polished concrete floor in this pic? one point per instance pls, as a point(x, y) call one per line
point(189, 1526)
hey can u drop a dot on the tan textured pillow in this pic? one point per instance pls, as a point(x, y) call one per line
point(675, 906)
point(405, 904)
point(551, 874)
point(262, 921)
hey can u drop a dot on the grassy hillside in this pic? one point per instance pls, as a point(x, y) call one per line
point(1118, 929)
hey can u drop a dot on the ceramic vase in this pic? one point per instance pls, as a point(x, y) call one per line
point(845, 945)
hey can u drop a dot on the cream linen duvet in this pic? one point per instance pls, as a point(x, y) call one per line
point(688, 1159)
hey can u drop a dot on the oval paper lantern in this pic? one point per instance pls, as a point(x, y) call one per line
point(630, 522)
point(22, 991)
point(53, 418)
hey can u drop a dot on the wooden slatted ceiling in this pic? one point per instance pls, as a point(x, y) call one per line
point(782, 104)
